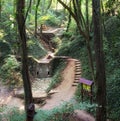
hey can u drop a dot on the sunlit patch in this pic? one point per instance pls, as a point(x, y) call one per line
point(1, 34)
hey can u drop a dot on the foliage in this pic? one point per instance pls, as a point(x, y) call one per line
point(61, 113)
point(91, 108)
point(112, 7)
point(35, 49)
point(5, 49)
point(111, 48)
point(76, 49)
point(11, 114)
point(50, 19)
point(9, 71)
point(57, 69)
point(56, 41)
point(8, 28)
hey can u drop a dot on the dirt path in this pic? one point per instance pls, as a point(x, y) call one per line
point(65, 91)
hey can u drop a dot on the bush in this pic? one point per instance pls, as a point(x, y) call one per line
point(35, 49)
point(5, 49)
point(111, 48)
point(61, 113)
point(50, 19)
point(11, 114)
point(10, 71)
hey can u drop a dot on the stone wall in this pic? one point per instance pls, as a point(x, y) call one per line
point(39, 69)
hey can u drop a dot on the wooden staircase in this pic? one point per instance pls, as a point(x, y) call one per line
point(77, 72)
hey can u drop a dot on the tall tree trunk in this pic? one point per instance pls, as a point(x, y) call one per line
point(0, 8)
point(100, 66)
point(36, 10)
point(29, 106)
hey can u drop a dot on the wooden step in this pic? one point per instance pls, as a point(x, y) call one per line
point(75, 84)
point(77, 78)
point(78, 72)
point(76, 81)
point(77, 75)
point(77, 66)
point(77, 61)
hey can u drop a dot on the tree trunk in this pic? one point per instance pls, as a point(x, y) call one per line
point(100, 66)
point(29, 106)
point(49, 4)
point(36, 10)
point(0, 9)
point(69, 22)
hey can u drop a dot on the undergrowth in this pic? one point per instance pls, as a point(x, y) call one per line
point(10, 72)
point(35, 49)
point(58, 67)
point(61, 113)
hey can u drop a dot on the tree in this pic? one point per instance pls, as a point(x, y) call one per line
point(36, 13)
point(0, 9)
point(29, 106)
point(100, 65)
point(83, 26)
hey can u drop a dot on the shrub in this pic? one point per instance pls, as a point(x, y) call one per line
point(35, 49)
point(11, 114)
point(5, 49)
point(61, 113)
point(9, 71)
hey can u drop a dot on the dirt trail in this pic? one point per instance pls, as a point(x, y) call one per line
point(65, 91)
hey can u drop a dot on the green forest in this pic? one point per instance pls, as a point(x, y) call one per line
point(42, 42)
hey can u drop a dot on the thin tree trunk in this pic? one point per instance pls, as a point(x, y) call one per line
point(49, 4)
point(43, 6)
point(69, 21)
point(0, 9)
point(100, 65)
point(36, 10)
point(29, 106)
